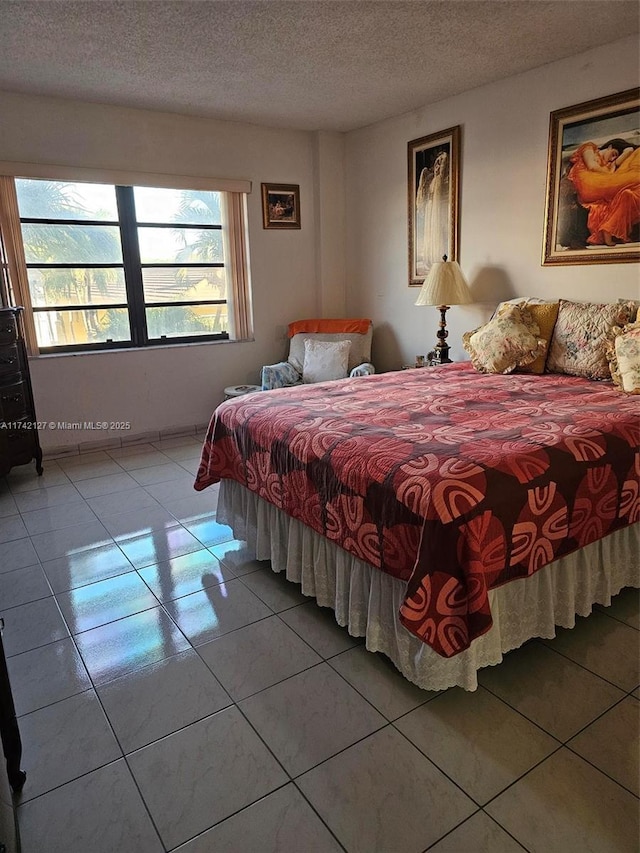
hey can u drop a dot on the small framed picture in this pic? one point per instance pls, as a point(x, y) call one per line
point(593, 182)
point(280, 205)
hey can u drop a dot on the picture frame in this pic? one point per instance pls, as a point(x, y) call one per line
point(593, 182)
point(280, 206)
point(433, 200)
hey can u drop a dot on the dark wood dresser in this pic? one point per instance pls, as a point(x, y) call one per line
point(13, 778)
point(19, 442)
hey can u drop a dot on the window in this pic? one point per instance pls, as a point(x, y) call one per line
point(112, 266)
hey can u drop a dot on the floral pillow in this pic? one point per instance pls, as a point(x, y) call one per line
point(635, 307)
point(578, 344)
point(544, 314)
point(623, 353)
point(509, 340)
point(325, 360)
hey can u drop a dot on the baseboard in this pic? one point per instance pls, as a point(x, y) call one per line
point(62, 451)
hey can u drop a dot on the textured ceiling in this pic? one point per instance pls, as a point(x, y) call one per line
point(306, 64)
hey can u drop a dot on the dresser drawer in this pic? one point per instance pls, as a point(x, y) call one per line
point(8, 328)
point(9, 361)
point(14, 402)
point(19, 441)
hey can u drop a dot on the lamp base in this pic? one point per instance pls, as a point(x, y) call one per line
point(440, 355)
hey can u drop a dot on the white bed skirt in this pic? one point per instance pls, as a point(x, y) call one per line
point(366, 601)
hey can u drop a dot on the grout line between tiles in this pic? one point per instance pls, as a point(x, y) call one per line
point(595, 719)
point(222, 820)
point(175, 731)
point(112, 621)
point(439, 769)
point(523, 776)
point(582, 666)
point(353, 687)
point(600, 770)
point(144, 803)
point(319, 816)
point(20, 801)
point(492, 819)
point(567, 743)
point(453, 829)
point(522, 714)
point(41, 645)
point(601, 608)
point(31, 600)
point(87, 689)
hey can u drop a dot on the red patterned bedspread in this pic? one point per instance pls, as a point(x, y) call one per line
point(452, 480)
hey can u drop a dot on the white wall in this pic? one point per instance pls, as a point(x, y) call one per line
point(505, 129)
point(330, 223)
point(161, 388)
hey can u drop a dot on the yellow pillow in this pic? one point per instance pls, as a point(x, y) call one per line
point(623, 353)
point(544, 315)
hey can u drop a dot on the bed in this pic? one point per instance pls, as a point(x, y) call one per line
point(445, 515)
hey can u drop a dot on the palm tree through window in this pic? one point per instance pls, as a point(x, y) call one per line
point(112, 266)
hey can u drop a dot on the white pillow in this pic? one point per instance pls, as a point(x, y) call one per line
point(360, 346)
point(325, 360)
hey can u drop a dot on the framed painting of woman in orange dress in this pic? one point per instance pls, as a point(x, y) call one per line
point(593, 182)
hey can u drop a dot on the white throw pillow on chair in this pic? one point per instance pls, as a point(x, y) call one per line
point(325, 360)
point(359, 353)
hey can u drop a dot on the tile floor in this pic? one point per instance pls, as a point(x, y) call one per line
point(175, 695)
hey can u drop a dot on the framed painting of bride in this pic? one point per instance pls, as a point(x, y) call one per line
point(433, 200)
point(593, 182)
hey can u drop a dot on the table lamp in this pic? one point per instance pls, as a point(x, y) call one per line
point(444, 286)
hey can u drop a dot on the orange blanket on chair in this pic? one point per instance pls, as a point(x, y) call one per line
point(347, 327)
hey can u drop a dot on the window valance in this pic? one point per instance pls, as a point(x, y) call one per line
point(122, 177)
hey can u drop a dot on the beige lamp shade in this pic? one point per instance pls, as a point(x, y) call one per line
point(445, 285)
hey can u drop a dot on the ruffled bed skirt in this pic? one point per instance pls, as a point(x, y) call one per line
point(366, 601)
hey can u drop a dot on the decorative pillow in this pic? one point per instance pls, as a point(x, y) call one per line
point(324, 360)
point(623, 352)
point(544, 316)
point(578, 344)
point(520, 301)
point(511, 339)
point(359, 353)
point(635, 303)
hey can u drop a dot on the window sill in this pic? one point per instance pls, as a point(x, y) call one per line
point(120, 350)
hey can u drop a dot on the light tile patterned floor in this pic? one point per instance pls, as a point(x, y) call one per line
point(175, 695)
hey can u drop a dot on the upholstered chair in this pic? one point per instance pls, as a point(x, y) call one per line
point(331, 359)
